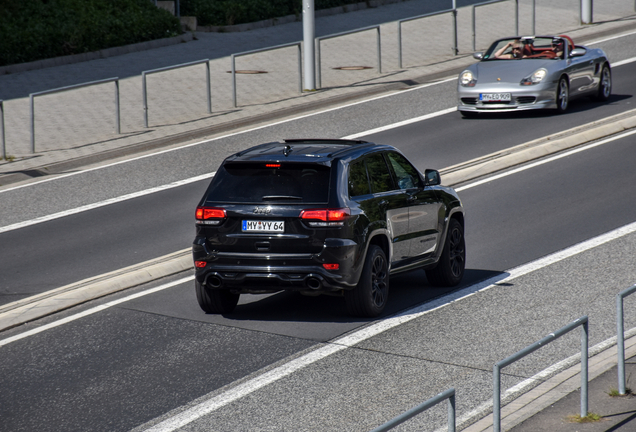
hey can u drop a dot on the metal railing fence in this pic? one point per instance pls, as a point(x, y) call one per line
point(300, 70)
point(32, 97)
point(4, 144)
point(152, 71)
point(448, 394)
point(583, 322)
point(620, 335)
point(331, 36)
point(474, 19)
point(400, 22)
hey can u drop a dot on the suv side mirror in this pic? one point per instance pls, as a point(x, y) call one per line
point(432, 177)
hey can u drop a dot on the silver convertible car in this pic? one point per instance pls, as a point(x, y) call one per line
point(533, 72)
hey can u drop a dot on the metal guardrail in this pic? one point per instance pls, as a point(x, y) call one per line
point(4, 144)
point(583, 322)
point(63, 89)
point(448, 394)
point(452, 11)
point(321, 38)
point(300, 70)
point(194, 63)
point(474, 24)
point(620, 335)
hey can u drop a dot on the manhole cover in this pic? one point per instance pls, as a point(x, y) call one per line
point(353, 67)
point(248, 72)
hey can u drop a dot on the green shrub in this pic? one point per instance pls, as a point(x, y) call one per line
point(230, 12)
point(39, 29)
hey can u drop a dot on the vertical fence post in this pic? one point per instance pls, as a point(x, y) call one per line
point(400, 44)
point(145, 98)
point(4, 146)
point(474, 31)
point(31, 103)
point(451, 413)
point(234, 80)
point(517, 17)
point(207, 86)
point(117, 113)
point(379, 52)
point(496, 403)
point(584, 367)
point(300, 71)
point(318, 72)
point(620, 335)
point(534, 17)
point(454, 14)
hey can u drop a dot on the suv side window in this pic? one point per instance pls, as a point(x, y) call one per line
point(379, 174)
point(405, 174)
point(358, 180)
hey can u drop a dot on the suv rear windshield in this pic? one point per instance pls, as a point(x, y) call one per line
point(270, 182)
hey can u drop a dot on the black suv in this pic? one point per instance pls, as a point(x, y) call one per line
point(323, 216)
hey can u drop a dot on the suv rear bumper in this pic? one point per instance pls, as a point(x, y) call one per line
point(260, 273)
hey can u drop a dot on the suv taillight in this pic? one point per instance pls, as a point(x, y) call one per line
point(210, 215)
point(325, 217)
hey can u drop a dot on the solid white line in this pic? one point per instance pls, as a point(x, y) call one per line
point(611, 38)
point(402, 123)
point(624, 62)
point(104, 203)
point(92, 311)
point(544, 161)
point(204, 408)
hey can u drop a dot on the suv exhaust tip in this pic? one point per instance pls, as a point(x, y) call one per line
point(313, 283)
point(214, 281)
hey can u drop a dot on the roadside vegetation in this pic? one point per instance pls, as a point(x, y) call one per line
point(230, 12)
point(39, 29)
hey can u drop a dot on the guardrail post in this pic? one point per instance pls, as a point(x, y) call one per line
point(300, 71)
point(318, 61)
point(474, 31)
point(455, 43)
point(207, 86)
point(620, 336)
point(517, 17)
point(584, 367)
point(31, 104)
point(233, 80)
point(400, 44)
point(4, 145)
point(145, 98)
point(534, 17)
point(117, 113)
point(379, 52)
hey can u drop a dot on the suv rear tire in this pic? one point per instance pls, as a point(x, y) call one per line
point(450, 268)
point(369, 297)
point(215, 301)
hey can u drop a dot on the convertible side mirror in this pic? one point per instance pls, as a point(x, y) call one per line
point(432, 177)
point(578, 52)
point(478, 55)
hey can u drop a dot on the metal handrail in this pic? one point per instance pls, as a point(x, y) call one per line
point(453, 11)
point(321, 38)
point(300, 71)
point(583, 322)
point(489, 3)
point(163, 69)
point(448, 394)
point(72, 87)
point(620, 335)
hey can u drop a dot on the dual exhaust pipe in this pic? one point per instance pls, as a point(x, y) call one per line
point(215, 281)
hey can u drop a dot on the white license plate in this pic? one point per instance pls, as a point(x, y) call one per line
point(494, 97)
point(263, 226)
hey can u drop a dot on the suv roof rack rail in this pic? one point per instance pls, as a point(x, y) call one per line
point(325, 141)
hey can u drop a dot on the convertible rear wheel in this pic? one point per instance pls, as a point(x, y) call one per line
point(604, 86)
point(563, 95)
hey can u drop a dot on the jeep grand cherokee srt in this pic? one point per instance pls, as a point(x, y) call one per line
point(323, 216)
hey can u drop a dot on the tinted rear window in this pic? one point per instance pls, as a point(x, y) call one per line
point(256, 183)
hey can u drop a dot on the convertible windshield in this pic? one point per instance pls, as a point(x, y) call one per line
point(526, 48)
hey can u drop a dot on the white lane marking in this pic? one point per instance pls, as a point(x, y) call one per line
point(104, 203)
point(179, 420)
point(623, 62)
point(402, 123)
point(62, 176)
point(611, 38)
point(546, 160)
point(92, 311)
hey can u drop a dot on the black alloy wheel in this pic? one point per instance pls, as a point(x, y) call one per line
point(450, 268)
point(369, 297)
point(215, 301)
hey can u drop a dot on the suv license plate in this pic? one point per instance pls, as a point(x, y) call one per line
point(494, 97)
point(263, 226)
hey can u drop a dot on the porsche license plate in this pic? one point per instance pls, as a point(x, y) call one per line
point(263, 226)
point(494, 97)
